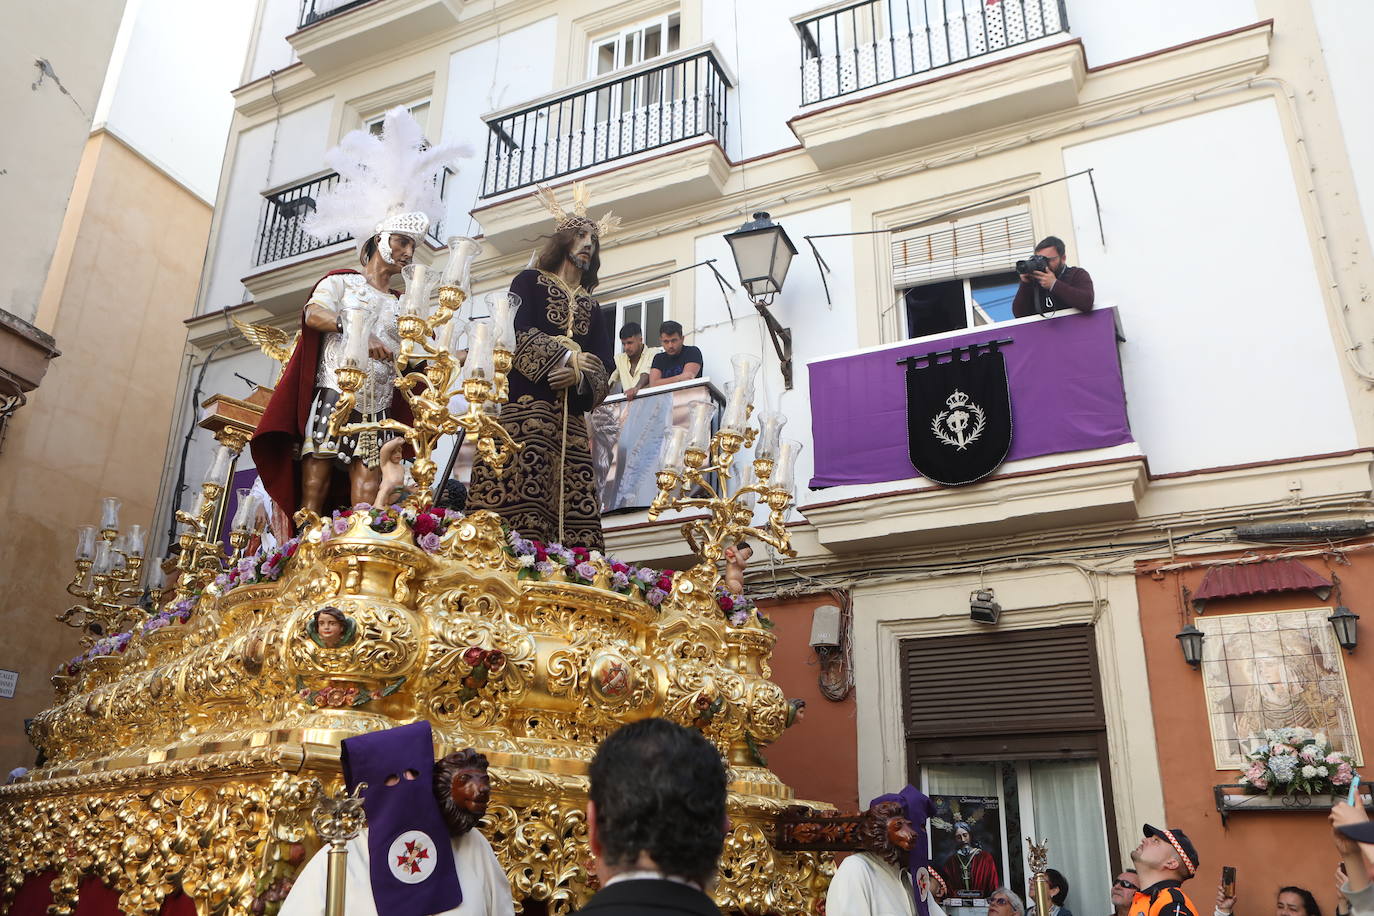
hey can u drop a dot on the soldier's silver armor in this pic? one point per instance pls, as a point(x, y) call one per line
point(353, 291)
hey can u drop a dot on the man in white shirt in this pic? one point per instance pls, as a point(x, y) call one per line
point(633, 361)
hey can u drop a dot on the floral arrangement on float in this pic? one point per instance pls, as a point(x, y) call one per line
point(1295, 760)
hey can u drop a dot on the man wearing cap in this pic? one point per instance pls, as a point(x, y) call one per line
point(892, 875)
point(419, 854)
point(1164, 859)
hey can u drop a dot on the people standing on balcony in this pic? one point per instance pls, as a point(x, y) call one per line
point(633, 361)
point(1058, 286)
point(550, 491)
point(386, 197)
point(677, 362)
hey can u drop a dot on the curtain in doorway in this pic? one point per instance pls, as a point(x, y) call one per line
point(1066, 797)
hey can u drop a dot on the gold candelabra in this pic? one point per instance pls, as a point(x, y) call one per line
point(430, 374)
point(109, 573)
point(691, 456)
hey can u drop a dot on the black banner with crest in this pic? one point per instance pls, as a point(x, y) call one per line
point(958, 412)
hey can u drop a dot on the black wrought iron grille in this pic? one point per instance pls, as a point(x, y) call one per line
point(874, 42)
point(280, 235)
point(620, 117)
point(312, 11)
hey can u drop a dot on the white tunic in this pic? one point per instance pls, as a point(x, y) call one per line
point(486, 892)
point(353, 291)
point(866, 885)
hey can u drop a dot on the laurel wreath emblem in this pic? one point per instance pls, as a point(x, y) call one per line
point(959, 403)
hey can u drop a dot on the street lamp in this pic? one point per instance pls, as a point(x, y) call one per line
point(763, 252)
point(1343, 622)
point(1190, 639)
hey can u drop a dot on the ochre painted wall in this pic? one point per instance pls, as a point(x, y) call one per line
point(1268, 850)
point(129, 260)
point(817, 757)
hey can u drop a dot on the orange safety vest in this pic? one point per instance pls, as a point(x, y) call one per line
point(1163, 898)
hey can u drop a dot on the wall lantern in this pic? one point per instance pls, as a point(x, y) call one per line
point(763, 253)
point(1190, 640)
point(1344, 623)
point(983, 606)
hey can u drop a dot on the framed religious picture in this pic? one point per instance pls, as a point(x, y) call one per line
point(1274, 670)
point(966, 844)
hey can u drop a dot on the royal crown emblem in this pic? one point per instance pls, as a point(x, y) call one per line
point(952, 426)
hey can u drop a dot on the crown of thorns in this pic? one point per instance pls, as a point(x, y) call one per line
point(578, 218)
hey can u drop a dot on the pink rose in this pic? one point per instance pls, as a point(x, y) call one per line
point(1260, 783)
point(1334, 758)
point(1343, 775)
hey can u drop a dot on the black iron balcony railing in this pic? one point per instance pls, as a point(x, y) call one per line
point(312, 11)
point(877, 41)
point(280, 235)
point(650, 106)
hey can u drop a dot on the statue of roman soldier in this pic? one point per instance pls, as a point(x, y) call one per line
point(386, 198)
point(559, 374)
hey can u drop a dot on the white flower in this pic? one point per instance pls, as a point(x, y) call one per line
point(1309, 771)
point(1322, 771)
point(526, 559)
point(596, 556)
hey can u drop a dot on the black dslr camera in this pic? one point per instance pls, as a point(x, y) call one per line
point(1032, 264)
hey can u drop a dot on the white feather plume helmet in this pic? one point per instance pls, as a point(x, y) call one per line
point(387, 182)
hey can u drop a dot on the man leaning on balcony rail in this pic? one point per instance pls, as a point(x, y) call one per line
point(677, 363)
point(1052, 284)
point(633, 361)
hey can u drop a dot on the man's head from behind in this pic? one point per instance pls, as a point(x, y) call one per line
point(670, 337)
point(632, 340)
point(657, 802)
point(1052, 247)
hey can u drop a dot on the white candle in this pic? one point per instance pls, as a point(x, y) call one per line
point(109, 514)
point(415, 299)
point(243, 509)
point(356, 328)
point(156, 580)
point(85, 542)
point(452, 335)
point(674, 444)
point(134, 540)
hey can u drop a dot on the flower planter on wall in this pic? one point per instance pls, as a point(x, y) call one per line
point(1232, 799)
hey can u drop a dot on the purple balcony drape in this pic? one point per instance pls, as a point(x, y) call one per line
point(1066, 396)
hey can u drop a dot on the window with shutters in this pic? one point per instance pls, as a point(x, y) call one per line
point(961, 274)
point(1017, 716)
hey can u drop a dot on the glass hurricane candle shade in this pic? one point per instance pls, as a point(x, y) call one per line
point(747, 500)
point(699, 425)
point(458, 269)
point(451, 337)
point(244, 509)
point(746, 366)
point(85, 542)
point(770, 434)
point(357, 328)
point(479, 363)
point(135, 539)
point(109, 513)
point(785, 470)
point(502, 307)
point(156, 580)
point(674, 444)
point(415, 299)
point(219, 468)
point(100, 565)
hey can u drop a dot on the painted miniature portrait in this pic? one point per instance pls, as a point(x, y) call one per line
point(331, 628)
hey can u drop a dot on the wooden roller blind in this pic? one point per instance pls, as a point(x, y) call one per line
point(961, 249)
point(1000, 683)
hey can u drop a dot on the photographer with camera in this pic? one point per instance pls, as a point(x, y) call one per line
point(1047, 283)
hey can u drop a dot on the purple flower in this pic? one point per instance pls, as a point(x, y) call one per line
point(545, 567)
point(451, 515)
point(655, 596)
point(619, 581)
point(646, 575)
point(586, 571)
point(340, 525)
point(363, 507)
point(248, 566)
point(222, 581)
point(739, 618)
point(429, 542)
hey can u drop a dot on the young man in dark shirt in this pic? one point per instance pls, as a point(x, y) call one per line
point(676, 363)
point(1062, 286)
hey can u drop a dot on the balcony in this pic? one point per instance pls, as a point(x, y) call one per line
point(862, 45)
point(667, 118)
point(280, 235)
point(1073, 460)
point(336, 33)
